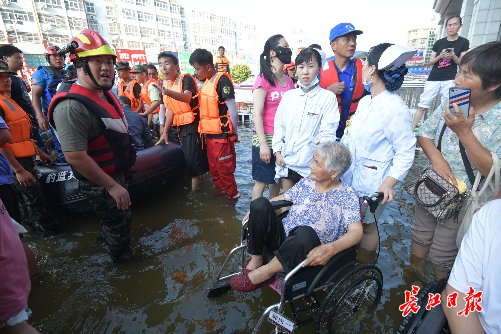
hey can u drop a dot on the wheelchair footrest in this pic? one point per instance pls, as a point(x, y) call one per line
point(278, 283)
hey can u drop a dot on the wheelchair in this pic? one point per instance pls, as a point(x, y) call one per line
point(336, 297)
point(426, 321)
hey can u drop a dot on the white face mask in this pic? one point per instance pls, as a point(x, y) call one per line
point(311, 84)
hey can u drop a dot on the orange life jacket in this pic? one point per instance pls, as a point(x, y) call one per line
point(183, 112)
point(20, 128)
point(211, 121)
point(128, 91)
point(222, 64)
point(330, 76)
point(145, 96)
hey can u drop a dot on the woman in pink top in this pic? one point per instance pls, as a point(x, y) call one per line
point(267, 93)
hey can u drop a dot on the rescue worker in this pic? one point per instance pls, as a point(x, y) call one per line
point(92, 130)
point(222, 63)
point(128, 86)
point(181, 98)
point(44, 84)
point(151, 95)
point(218, 121)
point(20, 152)
point(153, 74)
point(341, 74)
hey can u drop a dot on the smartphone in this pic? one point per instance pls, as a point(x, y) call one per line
point(460, 96)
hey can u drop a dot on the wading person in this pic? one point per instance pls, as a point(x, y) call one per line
point(267, 93)
point(218, 121)
point(342, 75)
point(44, 84)
point(380, 136)
point(127, 86)
point(20, 151)
point(305, 116)
point(222, 64)
point(181, 97)
point(151, 94)
point(445, 57)
point(480, 71)
point(93, 133)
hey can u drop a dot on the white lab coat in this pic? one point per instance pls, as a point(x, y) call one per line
point(381, 142)
point(301, 121)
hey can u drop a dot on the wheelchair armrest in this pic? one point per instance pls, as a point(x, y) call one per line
point(346, 255)
point(280, 204)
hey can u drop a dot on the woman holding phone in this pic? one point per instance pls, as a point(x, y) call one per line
point(479, 134)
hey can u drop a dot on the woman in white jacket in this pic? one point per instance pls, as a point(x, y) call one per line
point(380, 136)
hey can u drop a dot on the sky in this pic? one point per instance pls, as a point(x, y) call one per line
point(380, 20)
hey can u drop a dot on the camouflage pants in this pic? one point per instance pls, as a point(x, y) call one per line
point(116, 222)
point(32, 202)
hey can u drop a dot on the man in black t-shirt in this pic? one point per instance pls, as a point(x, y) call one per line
point(445, 58)
point(19, 92)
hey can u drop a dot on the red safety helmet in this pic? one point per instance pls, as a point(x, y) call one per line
point(51, 50)
point(289, 66)
point(89, 43)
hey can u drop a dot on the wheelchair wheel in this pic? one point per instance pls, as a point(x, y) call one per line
point(413, 321)
point(348, 303)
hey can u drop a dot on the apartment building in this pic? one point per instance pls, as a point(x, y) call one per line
point(422, 39)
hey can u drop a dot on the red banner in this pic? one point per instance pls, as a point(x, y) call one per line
point(134, 57)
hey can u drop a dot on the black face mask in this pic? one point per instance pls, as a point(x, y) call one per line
point(283, 54)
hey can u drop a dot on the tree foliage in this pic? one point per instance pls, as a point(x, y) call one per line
point(240, 73)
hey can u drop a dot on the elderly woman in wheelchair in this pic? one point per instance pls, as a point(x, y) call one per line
point(324, 219)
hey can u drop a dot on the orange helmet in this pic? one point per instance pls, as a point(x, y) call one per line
point(90, 43)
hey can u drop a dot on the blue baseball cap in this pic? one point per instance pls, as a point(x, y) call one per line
point(343, 29)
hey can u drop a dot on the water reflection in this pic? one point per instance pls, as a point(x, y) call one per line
point(179, 244)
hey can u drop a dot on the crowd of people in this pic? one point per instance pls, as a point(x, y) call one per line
point(327, 132)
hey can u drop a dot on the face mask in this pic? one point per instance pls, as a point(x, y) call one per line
point(367, 84)
point(283, 54)
point(311, 84)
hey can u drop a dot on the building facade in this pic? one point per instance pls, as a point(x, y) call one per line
point(422, 39)
point(481, 19)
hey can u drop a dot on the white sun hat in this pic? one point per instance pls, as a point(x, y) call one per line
point(394, 57)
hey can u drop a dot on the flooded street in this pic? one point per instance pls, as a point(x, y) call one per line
point(179, 245)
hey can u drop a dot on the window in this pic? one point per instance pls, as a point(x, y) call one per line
point(164, 21)
point(134, 45)
point(164, 34)
point(110, 12)
point(77, 24)
point(76, 5)
point(131, 30)
point(129, 14)
point(141, 3)
point(113, 28)
point(174, 8)
point(144, 17)
point(149, 45)
point(161, 4)
point(147, 32)
point(51, 3)
point(55, 21)
point(16, 17)
point(56, 39)
point(89, 7)
point(176, 23)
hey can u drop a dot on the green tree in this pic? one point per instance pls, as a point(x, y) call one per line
point(240, 73)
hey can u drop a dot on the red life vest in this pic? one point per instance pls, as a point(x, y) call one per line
point(112, 149)
point(211, 121)
point(330, 76)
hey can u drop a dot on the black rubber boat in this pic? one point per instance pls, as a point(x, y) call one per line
point(155, 168)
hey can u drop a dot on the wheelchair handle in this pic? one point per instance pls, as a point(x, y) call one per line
point(373, 200)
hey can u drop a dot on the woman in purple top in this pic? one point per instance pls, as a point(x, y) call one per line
point(267, 93)
point(323, 220)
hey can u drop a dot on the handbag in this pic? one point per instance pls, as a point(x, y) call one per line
point(478, 197)
point(437, 196)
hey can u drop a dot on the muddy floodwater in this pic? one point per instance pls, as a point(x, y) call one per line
point(179, 244)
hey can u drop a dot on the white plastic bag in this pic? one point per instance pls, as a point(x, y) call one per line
point(478, 198)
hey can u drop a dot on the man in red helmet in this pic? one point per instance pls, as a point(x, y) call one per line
point(43, 87)
point(92, 130)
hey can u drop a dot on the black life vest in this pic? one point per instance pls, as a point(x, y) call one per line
point(112, 149)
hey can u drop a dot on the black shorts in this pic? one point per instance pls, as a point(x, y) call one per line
point(294, 176)
point(194, 154)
